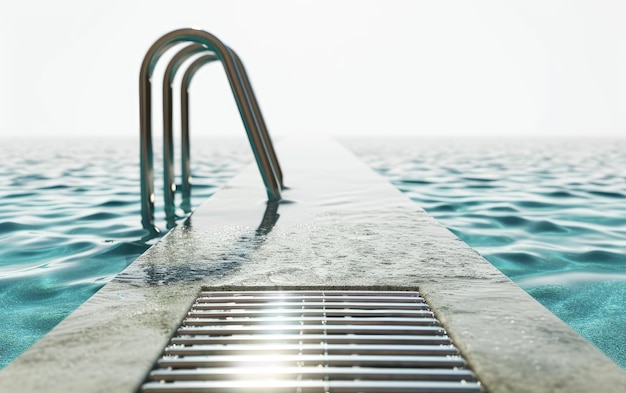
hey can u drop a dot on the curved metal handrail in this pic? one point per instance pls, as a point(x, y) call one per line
point(185, 145)
point(184, 127)
point(257, 112)
point(168, 164)
point(243, 98)
point(169, 183)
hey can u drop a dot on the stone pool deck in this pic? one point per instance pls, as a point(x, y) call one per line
point(341, 226)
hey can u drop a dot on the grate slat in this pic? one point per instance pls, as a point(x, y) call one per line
point(207, 311)
point(310, 298)
point(312, 338)
point(313, 305)
point(339, 373)
point(311, 341)
point(312, 360)
point(193, 320)
point(331, 349)
point(314, 387)
point(325, 292)
point(311, 329)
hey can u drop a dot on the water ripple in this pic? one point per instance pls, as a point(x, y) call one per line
point(71, 221)
point(548, 213)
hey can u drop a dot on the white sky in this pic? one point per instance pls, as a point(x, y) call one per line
point(423, 68)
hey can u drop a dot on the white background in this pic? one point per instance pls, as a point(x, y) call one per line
point(422, 68)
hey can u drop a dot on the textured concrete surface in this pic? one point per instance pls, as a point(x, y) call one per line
point(341, 226)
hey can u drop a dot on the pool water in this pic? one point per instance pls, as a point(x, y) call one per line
point(550, 214)
point(70, 221)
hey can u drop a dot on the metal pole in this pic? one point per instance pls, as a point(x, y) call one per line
point(264, 162)
point(184, 127)
point(169, 182)
point(257, 113)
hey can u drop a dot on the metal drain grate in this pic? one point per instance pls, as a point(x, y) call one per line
point(311, 341)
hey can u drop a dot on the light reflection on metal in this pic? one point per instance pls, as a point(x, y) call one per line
point(326, 342)
point(246, 103)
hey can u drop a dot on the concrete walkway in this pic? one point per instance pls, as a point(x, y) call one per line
point(342, 226)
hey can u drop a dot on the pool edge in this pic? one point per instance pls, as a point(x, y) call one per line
point(343, 217)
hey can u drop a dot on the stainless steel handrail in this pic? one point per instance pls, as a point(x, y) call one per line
point(257, 116)
point(257, 112)
point(245, 102)
point(168, 163)
point(184, 128)
point(169, 183)
point(184, 105)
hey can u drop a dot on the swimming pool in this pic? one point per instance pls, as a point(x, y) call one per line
point(550, 214)
point(70, 221)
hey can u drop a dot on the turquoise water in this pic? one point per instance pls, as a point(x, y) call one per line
point(550, 214)
point(70, 221)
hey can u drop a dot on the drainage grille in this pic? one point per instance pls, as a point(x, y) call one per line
point(311, 341)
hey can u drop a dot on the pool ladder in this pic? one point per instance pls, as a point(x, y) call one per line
point(211, 49)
